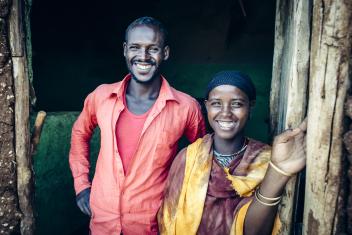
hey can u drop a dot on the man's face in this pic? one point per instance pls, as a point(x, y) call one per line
point(144, 52)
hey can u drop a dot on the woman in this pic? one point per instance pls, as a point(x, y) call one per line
point(226, 183)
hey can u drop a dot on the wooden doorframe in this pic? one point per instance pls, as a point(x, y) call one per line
point(311, 77)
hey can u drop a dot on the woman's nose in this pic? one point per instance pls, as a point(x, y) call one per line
point(226, 110)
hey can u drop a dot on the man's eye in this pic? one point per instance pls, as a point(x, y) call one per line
point(154, 49)
point(133, 47)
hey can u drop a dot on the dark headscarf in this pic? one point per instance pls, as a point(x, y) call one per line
point(234, 78)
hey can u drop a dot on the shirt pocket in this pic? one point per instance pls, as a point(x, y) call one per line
point(166, 147)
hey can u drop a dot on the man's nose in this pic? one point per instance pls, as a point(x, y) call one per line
point(143, 54)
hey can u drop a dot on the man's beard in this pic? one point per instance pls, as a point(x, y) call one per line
point(149, 81)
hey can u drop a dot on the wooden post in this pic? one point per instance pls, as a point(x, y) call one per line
point(9, 213)
point(22, 133)
point(289, 81)
point(329, 67)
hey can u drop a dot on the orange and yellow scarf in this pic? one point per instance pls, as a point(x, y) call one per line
point(185, 219)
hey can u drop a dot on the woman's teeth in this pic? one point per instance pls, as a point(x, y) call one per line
point(226, 125)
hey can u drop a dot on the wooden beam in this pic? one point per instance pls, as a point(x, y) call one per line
point(328, 83)
point(9, 213)
point(22, 106)
point(288, 97)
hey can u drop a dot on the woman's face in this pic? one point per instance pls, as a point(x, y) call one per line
point(228, 110)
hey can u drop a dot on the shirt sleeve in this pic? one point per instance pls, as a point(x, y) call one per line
point(195, 124)
point(82, 131)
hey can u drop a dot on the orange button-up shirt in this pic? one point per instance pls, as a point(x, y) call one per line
point(129, 202)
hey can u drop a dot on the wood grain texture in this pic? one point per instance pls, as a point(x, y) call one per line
point(9, 212)
point(288, 98)
point(329, 80)
point(22, 106)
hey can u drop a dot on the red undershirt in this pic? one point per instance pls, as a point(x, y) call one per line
point(128, 130)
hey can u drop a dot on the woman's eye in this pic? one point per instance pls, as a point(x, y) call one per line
point(236, 104)
point(215, 104)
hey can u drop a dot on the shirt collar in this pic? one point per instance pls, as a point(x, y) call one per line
point(166, 91)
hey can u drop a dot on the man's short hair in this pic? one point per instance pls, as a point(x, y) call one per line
point(151, 22)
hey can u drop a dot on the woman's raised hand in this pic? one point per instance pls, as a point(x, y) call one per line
point(289, 149)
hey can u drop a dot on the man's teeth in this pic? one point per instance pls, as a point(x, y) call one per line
point(226, 125)
point(143, 67)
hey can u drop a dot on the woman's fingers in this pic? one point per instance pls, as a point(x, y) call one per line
point(287, 135)
point(290, 133)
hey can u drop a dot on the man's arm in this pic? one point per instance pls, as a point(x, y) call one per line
point(79, 153)
point(195, 127)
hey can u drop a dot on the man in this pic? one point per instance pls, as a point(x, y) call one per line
point(141, 120)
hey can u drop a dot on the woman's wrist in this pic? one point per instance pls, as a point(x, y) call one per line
point(273, 183)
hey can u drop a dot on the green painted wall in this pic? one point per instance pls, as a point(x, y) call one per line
point(56, 210)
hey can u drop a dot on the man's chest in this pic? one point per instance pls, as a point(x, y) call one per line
point(167, 120)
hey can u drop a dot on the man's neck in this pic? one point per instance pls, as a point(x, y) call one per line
point(144, 91)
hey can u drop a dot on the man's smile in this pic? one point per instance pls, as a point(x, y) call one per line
point(143, 66)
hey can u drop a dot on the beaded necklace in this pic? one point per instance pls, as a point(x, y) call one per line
point(225, 159)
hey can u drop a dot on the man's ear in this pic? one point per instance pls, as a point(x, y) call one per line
point(166, 52)
point(124, 49)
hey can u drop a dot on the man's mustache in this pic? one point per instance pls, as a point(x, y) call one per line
point(144, 61)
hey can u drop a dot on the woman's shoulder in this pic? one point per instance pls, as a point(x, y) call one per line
point(204, 142)
point(257, 144)
point(257, 149)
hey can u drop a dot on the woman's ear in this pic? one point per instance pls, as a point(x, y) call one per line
point(206, 105)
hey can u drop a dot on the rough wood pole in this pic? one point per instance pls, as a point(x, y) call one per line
point(329, 66)
point(288, 97)
point(9, 213)
point(22, 105)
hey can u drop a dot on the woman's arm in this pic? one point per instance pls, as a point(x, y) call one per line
point(288, 158)
point(172, 191)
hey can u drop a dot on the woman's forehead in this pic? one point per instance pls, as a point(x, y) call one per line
point(227, 90)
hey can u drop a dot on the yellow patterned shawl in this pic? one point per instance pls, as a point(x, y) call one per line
point(185, 219)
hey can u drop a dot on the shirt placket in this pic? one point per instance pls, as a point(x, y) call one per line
point(118, 107)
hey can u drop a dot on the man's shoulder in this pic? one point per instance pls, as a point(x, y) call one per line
point(184, 98)
point(107, 88)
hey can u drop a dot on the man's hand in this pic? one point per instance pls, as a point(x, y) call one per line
point(82, 200)
point(289, 149)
